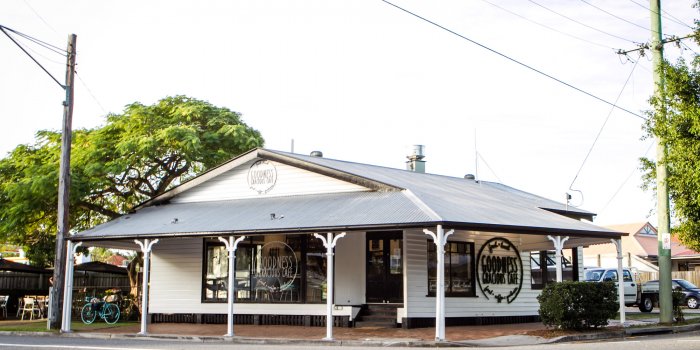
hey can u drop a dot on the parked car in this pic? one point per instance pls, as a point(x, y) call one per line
point(691, 291)
point(602, 274)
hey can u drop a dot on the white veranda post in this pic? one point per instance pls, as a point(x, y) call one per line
point(620, 280)
point(440, 240)
point(68, 286)
point(231, 246)
point(329, 242)
point(558, 246)
point(146, 247)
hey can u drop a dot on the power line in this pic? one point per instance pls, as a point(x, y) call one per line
point(515, 61)
point(668, 17)
point(46, 45)
point(581, 23)
point(546, 26)
point(2, 28)
point(623, 183)
point(90, 92)
point(614, 15)
point(602, 126)
point(38, 15)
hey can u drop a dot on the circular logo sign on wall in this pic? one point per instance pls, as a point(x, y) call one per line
point(499, 270)
point(276, 267)
point(262, 176)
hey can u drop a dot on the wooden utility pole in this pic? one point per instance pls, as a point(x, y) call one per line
point(55, 309)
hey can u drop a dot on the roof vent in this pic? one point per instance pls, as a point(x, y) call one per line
point(415, 160)
point(317, 154)
point(470, 177)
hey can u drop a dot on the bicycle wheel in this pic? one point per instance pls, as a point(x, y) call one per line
point(111, 313)
point(87, 314)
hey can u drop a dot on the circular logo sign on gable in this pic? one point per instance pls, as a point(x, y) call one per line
point(262, 176)
point(499, 270)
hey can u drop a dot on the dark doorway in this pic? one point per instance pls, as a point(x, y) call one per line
point(384, 267)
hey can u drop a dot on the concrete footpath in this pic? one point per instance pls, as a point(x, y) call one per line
point(466, 336)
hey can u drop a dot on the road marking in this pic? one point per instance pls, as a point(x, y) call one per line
point(68, 347)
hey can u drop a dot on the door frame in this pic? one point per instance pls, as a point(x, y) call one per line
point(385, 235)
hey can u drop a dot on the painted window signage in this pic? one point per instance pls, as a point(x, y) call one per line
point(262, 176)
point(499, 270)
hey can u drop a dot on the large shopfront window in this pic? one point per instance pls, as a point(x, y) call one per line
point(459, 269)
point(543, 267)
point(268, 269)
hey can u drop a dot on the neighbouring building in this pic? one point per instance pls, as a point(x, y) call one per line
point(495, 261)
point(640, 250)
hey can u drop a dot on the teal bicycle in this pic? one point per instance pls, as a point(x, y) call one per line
point(97, 308)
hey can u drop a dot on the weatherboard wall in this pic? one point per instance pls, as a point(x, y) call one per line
point(290, 181)
point(176, 281)
point(419, 305)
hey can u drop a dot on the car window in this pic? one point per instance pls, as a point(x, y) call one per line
point(627, 276)
point(592, 275)
point(610, 275)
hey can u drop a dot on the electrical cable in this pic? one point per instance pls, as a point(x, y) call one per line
point(623, 183)
point(90, 92)
point(488, 166)
point(38, 15)
point(614, 15)
point(546, 26)
point(46, 45)
point(602, 127)
point(580, 23)
point(672, 19)
point(2, 28)
point(515, 61)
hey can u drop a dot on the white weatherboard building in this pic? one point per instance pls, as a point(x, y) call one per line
point(387, 259)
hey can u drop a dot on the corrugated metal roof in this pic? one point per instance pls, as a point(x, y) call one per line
point(293, 213)
point(401, 198)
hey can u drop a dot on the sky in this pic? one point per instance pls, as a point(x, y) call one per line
point(363, 81)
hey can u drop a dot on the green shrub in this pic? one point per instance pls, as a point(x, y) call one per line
point(678, 299)
point(578, 305)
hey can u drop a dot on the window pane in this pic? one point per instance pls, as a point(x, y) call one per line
point(315, 271)
point(244, 256)
point(458, 268)
point(217, 273)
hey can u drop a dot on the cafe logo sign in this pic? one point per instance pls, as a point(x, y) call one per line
point(499, 270)
point(262, 176)
point(277, 267)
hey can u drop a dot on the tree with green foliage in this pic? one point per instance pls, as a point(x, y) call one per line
point(675, 121)
point(136, 156)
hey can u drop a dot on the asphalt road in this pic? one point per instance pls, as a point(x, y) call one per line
point(680, 341)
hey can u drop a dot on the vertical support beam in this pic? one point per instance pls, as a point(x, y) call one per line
point(231, 247)
point(329, 242)
point(63, 219)
point(664, 223)
point(146, 247)
point(440, 239)
point(558, 246)
point(620, 280)
point(68, 287)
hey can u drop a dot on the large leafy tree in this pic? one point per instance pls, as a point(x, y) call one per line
point(135, 156)
point(675, 121)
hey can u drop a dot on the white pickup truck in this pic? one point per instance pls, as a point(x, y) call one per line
point(603, 274)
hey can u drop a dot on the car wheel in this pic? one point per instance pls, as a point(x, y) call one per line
point(646, 305)
point(692, 303)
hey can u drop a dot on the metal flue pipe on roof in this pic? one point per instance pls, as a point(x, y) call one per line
point(415, 160)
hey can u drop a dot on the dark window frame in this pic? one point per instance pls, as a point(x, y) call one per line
point(543, 263)
point(472, 271)
point(248, 243)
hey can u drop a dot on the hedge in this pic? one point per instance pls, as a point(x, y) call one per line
point(578, 305)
